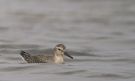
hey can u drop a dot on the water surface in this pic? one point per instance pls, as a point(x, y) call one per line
point(100, 34)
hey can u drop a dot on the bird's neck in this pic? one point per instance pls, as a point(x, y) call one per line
point(58, 58)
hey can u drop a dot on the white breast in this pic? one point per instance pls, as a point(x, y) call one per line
point(58, 59)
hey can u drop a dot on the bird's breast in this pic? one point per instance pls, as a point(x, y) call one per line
point(58, 59)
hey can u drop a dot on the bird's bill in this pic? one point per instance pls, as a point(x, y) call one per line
point(68, 55)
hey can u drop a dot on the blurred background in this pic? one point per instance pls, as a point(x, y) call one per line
point(99, 34)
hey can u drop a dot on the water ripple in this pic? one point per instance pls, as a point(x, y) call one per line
point(15, 46)
point(15, 68)
point(109, 75)
point(72, 72)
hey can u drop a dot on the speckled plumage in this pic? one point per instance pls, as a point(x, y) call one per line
point(57, 56)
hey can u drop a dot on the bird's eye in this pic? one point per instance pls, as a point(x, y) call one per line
point(59, 49)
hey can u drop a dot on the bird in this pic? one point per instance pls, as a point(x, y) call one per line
point(57, 56)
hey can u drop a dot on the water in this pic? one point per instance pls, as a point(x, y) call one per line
point(100, 34)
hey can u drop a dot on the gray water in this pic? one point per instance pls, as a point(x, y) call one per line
point(99, 34)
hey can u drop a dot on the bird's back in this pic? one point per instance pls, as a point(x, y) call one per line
point(35, 59)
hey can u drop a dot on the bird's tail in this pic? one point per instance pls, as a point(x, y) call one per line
point(25, 55)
